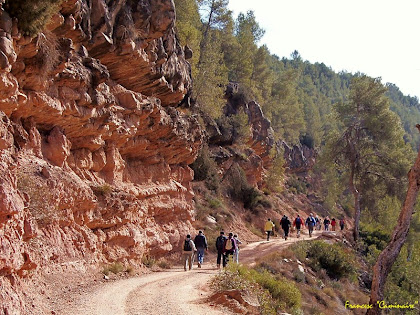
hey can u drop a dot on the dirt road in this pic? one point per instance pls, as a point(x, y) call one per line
point(172, 292)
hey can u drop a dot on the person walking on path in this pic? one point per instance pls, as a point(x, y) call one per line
point(220, 245)
point(333, 223)
point(285, 225)
point(236, 254)
point(188, 250)
point(318, 224)
point(310, 223)
point(268, 228)
point(326, 223)
point(342, 224)
point(229, 249)
point(297, 223)
point(200, 242)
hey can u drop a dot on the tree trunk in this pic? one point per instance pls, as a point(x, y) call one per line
point(356, 195)
point(388, 256)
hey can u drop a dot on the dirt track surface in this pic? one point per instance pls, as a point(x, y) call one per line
point(173, 292)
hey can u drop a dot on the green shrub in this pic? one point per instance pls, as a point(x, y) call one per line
point(233, 278)
point(283, 291)
point(300, 249)
point(242, 130)
point(214, 203)
point(275, 174)
point(32, 15)
point(299, 276)
point(374, 235)
point(205, 168)
point(335, 259)
point(297, 186)
point(241, 190)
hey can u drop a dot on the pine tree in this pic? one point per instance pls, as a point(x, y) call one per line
point(370, 144)
point(188, 25)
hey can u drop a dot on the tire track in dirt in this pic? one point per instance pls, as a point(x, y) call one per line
point(173, 292)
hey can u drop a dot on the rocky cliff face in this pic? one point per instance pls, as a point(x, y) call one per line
point(299, 158)
point(94, 153)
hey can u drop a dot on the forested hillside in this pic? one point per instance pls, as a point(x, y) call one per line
point(362, 129)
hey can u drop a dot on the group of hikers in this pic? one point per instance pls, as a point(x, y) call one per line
point(229, 246)
point(311, 223)
point(225, 246)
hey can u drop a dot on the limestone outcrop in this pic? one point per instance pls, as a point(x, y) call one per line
point(299, 158)
point(94, 150)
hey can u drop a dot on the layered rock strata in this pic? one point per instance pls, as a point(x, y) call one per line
point(94, 152)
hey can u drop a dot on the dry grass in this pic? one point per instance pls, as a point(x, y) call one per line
point(164, 263)
point(42, 203)
point(115, 268)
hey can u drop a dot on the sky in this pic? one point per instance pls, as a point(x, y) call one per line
point(380, 38)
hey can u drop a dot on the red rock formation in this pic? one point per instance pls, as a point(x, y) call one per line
point(93, 154)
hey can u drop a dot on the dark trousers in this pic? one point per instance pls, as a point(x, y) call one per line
point(226, 257)
point(268, 235)
point(219, 257)
point(311, 229)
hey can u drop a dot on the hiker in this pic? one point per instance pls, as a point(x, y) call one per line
point(228, 249)
point(188, 252)
point(297, 223)
point(220, 243)
point(342, 224)
point(236, 255)
point(310, 223)
point(200, 242)
point(285, 225)
point(326, 223)
point(333, 223)
point(268, 228)
point(318, 223)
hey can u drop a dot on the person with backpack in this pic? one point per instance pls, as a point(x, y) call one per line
point(285, 225)
point(228, 249)
point(310, 223)
point(188, 252)
point(297, 223)
point(236, 254)
point(268, 228)
point(342, 224)
point(200, 242)
point(220, 245)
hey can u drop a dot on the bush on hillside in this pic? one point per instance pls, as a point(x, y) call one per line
point(335, 259)
point(284, 293)
point(297, 186)
point(32, 15)
point(205, 168)
point(374, 235)
point(241, 190)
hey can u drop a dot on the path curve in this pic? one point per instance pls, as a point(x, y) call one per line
point(173, 292)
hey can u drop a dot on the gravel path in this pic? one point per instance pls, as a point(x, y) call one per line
point(172, 292)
